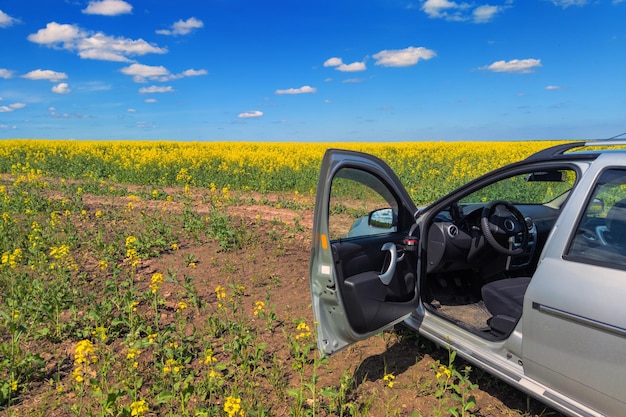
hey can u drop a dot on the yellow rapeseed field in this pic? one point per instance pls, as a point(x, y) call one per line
point(427, 169)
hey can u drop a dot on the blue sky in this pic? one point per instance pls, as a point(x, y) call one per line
point(312, 70)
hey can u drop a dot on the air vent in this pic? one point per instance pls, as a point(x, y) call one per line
point(529, 223)
point(453, 230)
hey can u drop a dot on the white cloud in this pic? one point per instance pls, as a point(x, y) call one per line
point(193, 73)
point(150, 100)
point(485, 13)
point(522, 66)
point(302, 90)
point(92, 45)
point(553, 87)
point(141, 73)
point(12, 107)
point(340, 66)
point(156, 89)
point(131, 110)
point(61, 88)
point(250, 114)
point(182, 27)
point(50, 75)
point(445, 9)
point(57, 33)
point(6, 20)
point(108, 7)
point(403, 57)
point(353, 67)
point(333, 62)
point(566, 3)
point(5, 73)
point(461, 11)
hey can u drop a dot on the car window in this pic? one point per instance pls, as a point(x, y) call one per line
point(360, 205)
point(539, 187)
point(600, 236)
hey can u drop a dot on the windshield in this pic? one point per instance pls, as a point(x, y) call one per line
point(539, 187)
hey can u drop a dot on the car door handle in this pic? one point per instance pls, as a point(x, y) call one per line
point(388, 275)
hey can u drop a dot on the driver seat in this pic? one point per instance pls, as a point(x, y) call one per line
point(505, 299)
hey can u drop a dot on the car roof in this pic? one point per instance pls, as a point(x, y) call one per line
point(587, 150)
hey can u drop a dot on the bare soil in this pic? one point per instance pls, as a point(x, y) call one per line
point(278, 268)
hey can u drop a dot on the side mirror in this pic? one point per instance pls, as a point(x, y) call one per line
point(596, 206)
point(382, 219)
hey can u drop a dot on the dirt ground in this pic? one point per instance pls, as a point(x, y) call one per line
point(280, 271)
point(401, 352)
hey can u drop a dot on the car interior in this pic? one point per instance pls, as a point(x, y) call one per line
point(479, 252)
point(482, 250)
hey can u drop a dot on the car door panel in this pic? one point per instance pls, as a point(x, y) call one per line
point(363, 283)
point(567, 342)
point(368, 298)
point(574, 323)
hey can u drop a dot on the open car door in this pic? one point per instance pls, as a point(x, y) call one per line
point(364, 256)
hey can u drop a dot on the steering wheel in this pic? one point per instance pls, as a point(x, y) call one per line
point(503, 226)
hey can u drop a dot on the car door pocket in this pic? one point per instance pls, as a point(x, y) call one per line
point(368, 315)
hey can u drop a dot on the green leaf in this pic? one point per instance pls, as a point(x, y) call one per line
point(163, 397)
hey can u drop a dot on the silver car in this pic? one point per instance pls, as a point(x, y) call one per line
point(521, 271)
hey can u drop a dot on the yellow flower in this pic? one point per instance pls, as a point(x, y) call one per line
point(14, 385)
point(103, 264)
point(209, 358)
point(389, 379)
point(181, 306)
point(98, 213)
point(84, 352)
point(303, 330)
point(59, 252)
point(138, 408)
point(443, 370)
point(101, 332)
point(77, 375)
point(132, 353)
point(259, 308)
point(174, 246)
point(156, 282)
point(220, 292)
point(232, 406)
point(84, 355)
point(12, 259)
point(167, 368)
point(130, 241)
point(152, 337)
